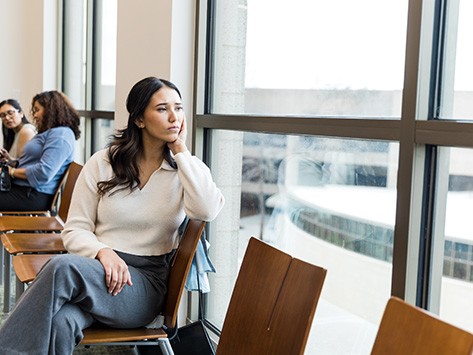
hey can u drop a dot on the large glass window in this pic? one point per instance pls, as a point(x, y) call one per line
point(105, 51)
point(381, 203)
point(329, 201)
point(341, 57)
point(89, 67)
point(74, 49)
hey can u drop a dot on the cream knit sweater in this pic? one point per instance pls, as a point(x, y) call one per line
point(142, 222)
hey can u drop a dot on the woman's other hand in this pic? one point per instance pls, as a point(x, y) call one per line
point(116, 270)
point(4, 155)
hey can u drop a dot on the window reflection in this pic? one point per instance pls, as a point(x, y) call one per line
point(328, 201)
point(456, 238)
point(103, 130)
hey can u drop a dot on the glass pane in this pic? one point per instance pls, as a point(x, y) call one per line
point(457, 89)
point(456, 238)
point(102, 131)
point(312, 57)
point(330, 202)
point(105, 56)
point(74, 52)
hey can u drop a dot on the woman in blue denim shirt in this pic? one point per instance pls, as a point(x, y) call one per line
point(46, 157)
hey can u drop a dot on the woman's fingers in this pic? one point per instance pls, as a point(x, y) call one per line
point(116, 271)
point(120, 278)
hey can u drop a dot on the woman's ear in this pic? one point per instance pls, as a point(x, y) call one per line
point(139, 123)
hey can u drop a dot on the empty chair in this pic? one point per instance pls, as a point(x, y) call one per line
point(27, 243)
point(52, 211)
point(410, 330)
point(272, 305)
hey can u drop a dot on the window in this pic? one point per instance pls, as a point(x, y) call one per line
point(328, 201)
point(457, 80)
point(89, 63)
point(325, 58)
point(332, 115)
point(453, 279)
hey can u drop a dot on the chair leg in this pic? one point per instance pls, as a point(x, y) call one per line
point(6, 281)
point(2, 251)
point(165, 346)
point(19, 289)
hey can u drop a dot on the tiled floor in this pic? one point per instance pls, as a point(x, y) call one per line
point(95, 350)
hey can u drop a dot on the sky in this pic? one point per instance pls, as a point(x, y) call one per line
point(338, 44)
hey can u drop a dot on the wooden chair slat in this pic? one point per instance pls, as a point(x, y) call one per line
point(15, 243)
point(409, 330)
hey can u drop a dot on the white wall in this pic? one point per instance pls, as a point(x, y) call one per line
point(26, 51)
point(155, 38)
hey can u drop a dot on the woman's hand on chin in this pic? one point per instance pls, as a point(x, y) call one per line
point(179, 145)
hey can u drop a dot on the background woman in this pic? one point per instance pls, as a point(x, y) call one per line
point(17, 130)
point(46, 157)
point(128, 203)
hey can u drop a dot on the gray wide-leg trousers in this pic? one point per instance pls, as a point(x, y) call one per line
point(69, 294)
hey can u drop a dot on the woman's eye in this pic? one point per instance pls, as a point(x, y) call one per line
point(161, 109)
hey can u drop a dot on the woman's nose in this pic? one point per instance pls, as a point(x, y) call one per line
point(173, 116)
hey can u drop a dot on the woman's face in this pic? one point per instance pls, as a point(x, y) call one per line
point(38, 111)
point(163, 117)
point(11, 117)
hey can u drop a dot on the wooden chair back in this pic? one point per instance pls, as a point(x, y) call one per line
point(53, 208)
point(179, 270)
point(27, 223)
point(73, 172)
point(408, 330)
point(55, 203)
point(180, 267)
point(272, 305)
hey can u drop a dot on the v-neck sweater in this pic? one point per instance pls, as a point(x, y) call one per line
point(143, 221)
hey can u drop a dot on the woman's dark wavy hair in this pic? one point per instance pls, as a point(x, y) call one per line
point(127, 144)
point(58, 112)
point(9, 133)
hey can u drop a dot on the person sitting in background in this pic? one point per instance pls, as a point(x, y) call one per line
point(127, 205)
point(17, 130)
point(46, 157)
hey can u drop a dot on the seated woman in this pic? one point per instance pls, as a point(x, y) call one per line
point(17, 130)
point(128, 203)
point(46, 157)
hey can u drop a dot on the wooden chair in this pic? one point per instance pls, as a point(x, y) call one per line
point(27, 223)
point(409, 330)
point(40, 227)
point(53, 209)
point(28, 265)
point(272, 305)
point(27, 243)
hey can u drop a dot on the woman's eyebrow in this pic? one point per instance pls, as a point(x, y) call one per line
point(169, 103)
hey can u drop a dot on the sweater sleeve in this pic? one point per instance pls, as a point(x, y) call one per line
point(203, 200)
point(78, 235)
